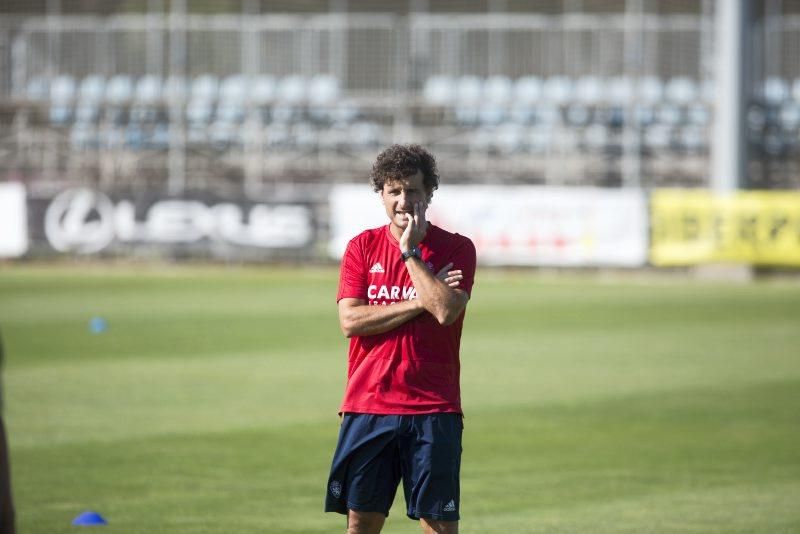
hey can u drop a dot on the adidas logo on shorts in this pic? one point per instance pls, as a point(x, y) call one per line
point(450, 507)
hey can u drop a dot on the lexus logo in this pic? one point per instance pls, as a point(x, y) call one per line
point(80, 220)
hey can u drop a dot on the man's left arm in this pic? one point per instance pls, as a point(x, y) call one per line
point(445, 303)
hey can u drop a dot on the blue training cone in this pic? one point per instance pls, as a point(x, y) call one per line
point(89, 518)
point(97, 325)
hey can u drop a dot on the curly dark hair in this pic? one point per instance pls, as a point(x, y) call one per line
point(402, 161)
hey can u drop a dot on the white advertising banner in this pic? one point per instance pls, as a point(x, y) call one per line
point(517, 225)
point(13, 220)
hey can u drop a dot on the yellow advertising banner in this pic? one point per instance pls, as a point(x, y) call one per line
point(690, 226)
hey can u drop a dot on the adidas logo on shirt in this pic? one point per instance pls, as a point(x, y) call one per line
point(377, 268)
point(450, 507)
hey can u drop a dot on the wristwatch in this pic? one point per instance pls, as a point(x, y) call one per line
point(411, 253)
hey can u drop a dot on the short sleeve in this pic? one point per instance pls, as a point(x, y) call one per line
point(352, 276)
point(464, 258)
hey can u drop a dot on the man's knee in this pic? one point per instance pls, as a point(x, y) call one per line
point(364, 522)
point(431, 526)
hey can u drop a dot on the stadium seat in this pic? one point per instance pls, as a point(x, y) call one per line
point(203, 94)
point(595, 137)
point(775, 91)
point(497, 90)
point(323, 94)
point(790, 116)
point(304, 136)
point(509, 138)
point(83, 136)
point(438, 91)
point(366, 135)
point(232, 99)
point(92, 89)
point(698, 114)
point(658, 137)
point(650, 90)
point(344, 112)
point(148, 90)
point(669, 114)
point(224, 135)
point(589, 90)
point(468, 94)
point(292, 90)
point(539, 139)
point(527, 90)
point(62, 96)
point(205, 88)
point(692, 139)
point(262, 90)
point(681, 90)
point(525, 97)
point(119, 90)
point(37, 89)
point(620, 91)
point(557, 90)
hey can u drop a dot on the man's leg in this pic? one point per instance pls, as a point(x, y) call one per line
point(364, 522)
point(431, 526)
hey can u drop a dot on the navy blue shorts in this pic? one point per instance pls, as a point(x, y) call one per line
point(375, 452)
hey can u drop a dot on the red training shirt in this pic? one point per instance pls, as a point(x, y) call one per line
point(415, 368)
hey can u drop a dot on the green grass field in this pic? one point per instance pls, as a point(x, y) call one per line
point(209, 404)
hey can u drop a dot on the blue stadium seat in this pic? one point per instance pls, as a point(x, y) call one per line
point(37, 89)
point(148, 90)
point(509, 138)
point(292, 90)
point(649, 90)
point(468, 94)
point(621, 91)
point(83, 136)
point(205, 88)
point(304, 136)
point(324, 92)
point(147, 97)
point(775, 91)
point(439, 91)
point(497, 92)
point(681, 91)
point(232, 99)
point(589, 91)
point(557, 90)
point(525, 99)
point(539, 139)
point(790, 116)
point(596, 137)
point(90, 98)
point(365, 135)
point(202, 97)
point(62, 96)
point(119, 90)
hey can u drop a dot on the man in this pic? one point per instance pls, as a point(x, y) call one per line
point(401, 411)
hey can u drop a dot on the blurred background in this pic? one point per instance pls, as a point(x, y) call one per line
point(178, 180)
point(226, 129)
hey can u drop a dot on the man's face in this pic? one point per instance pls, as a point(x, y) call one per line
point(400, 195)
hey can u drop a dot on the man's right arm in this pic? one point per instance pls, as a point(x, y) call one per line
point(357, 318)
